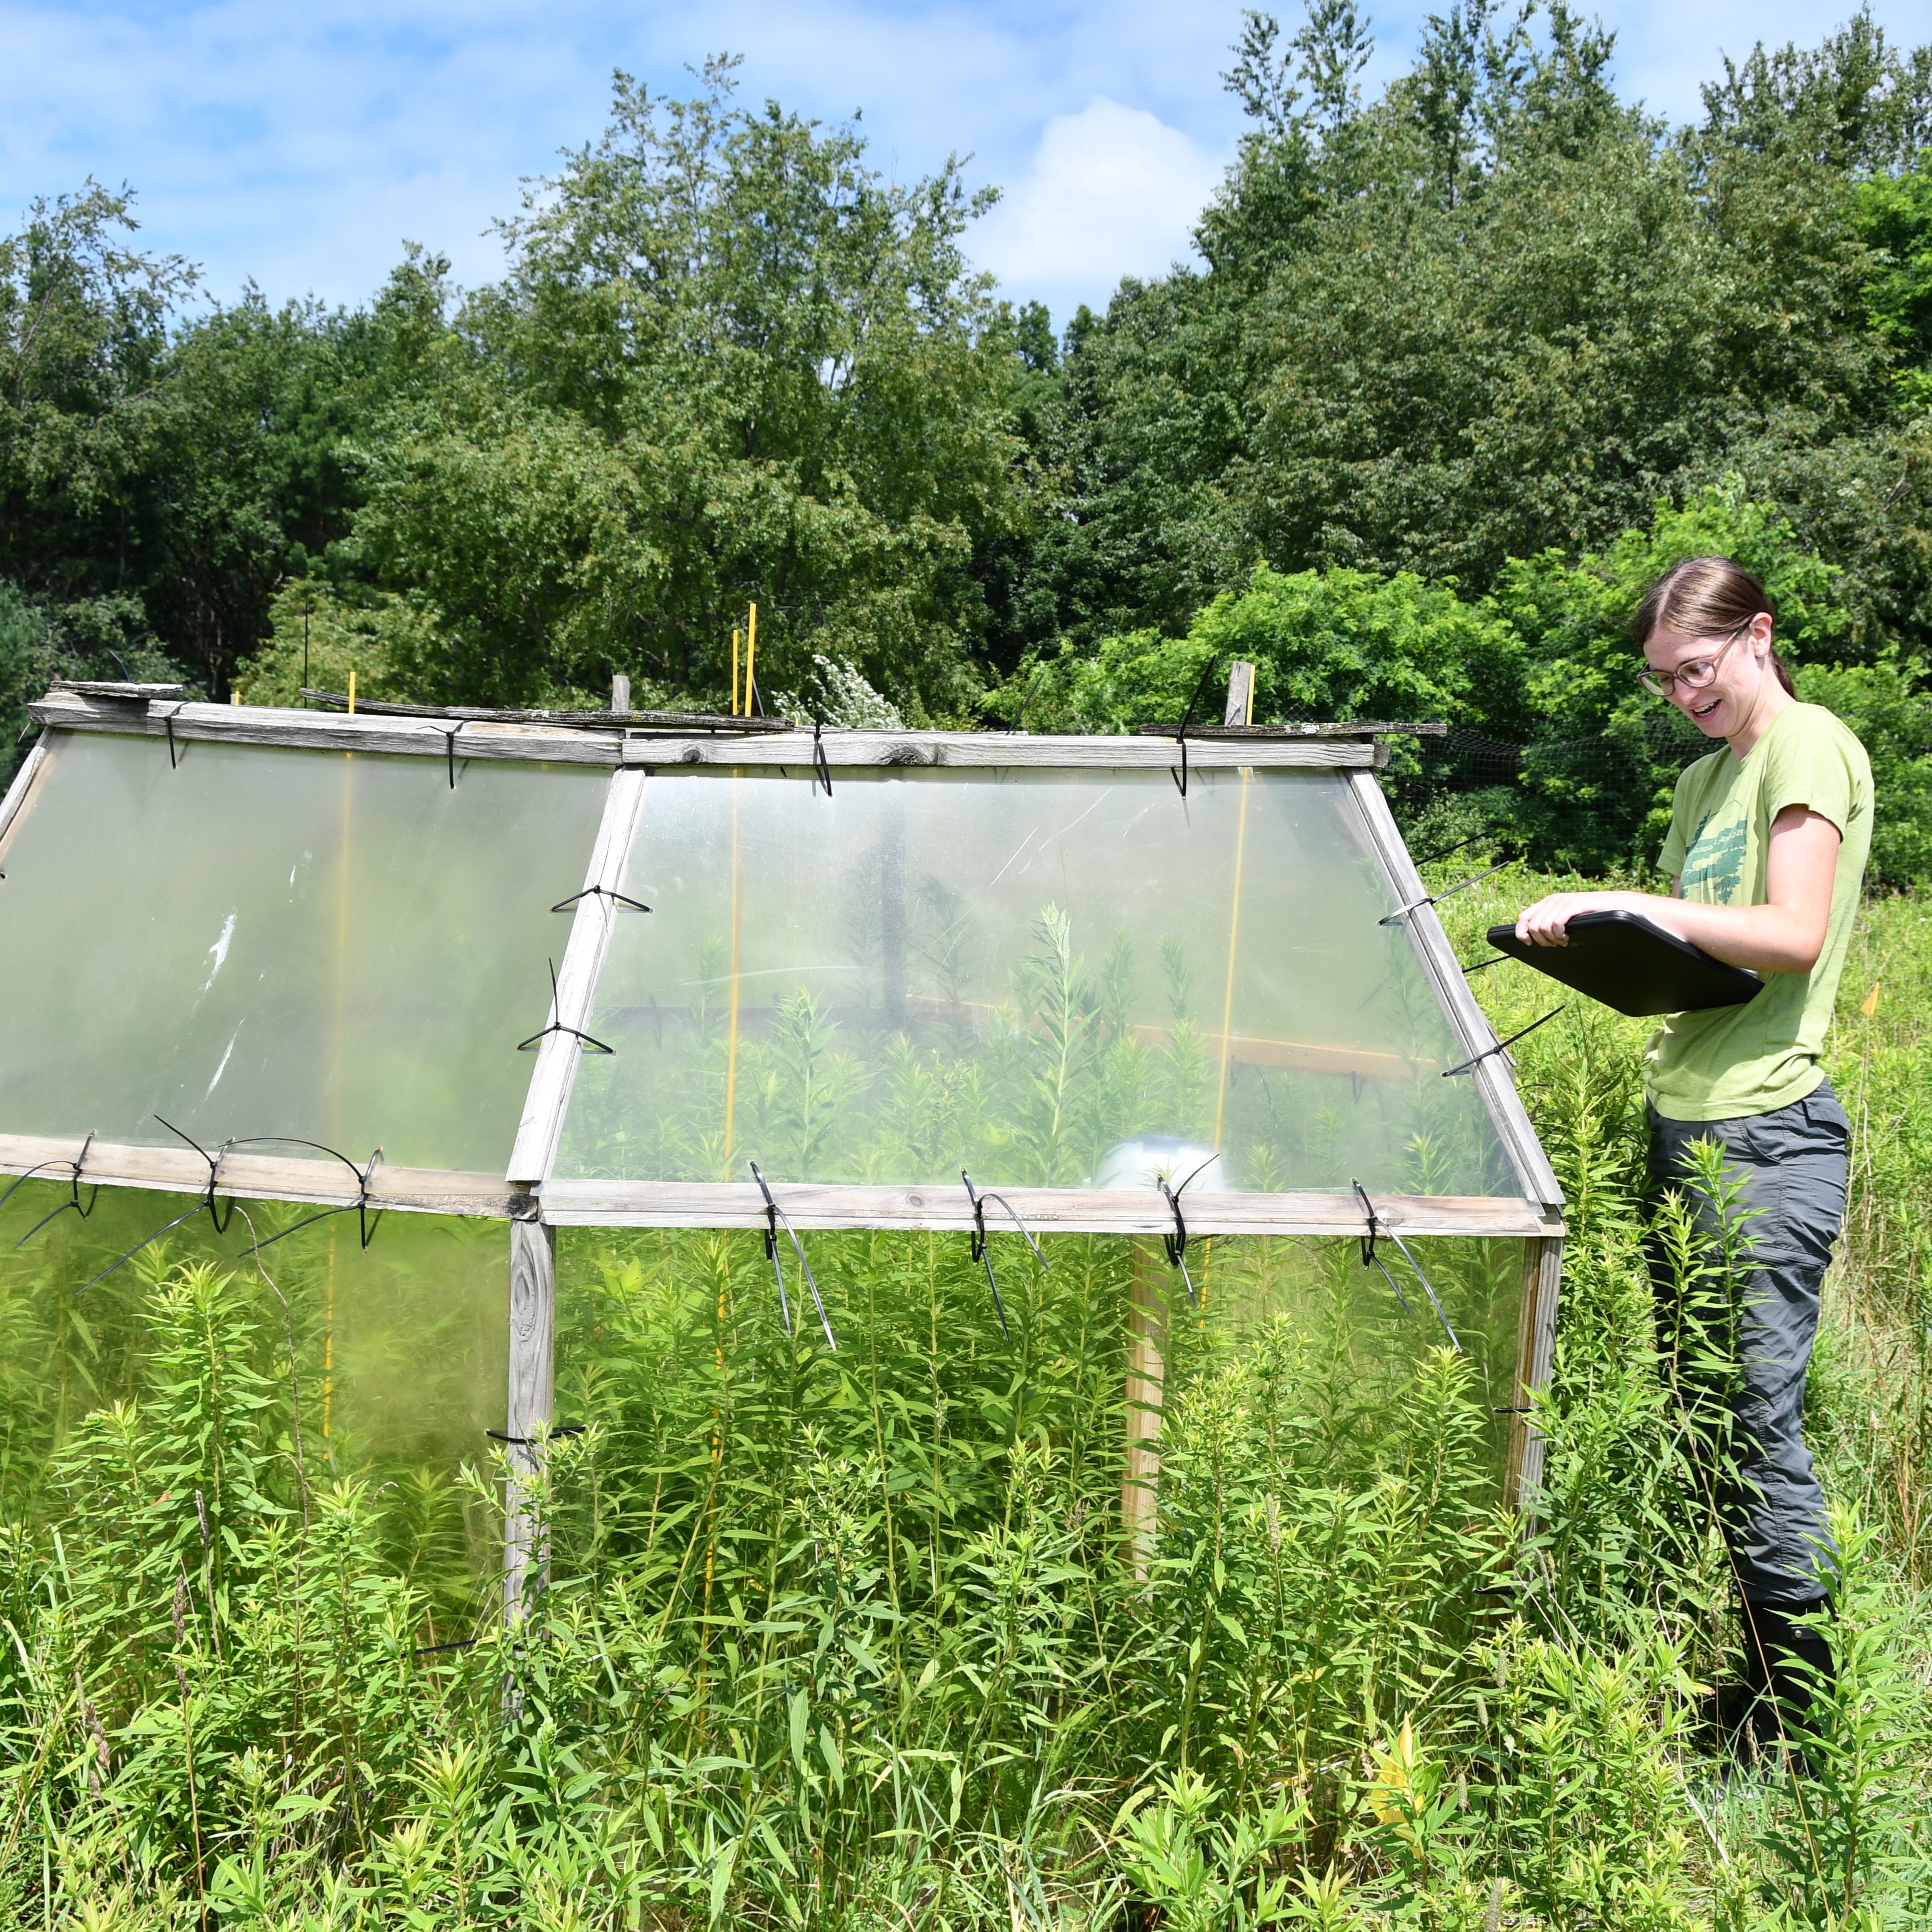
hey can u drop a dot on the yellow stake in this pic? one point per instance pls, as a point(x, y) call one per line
point(751, 657)
point(736, 636)
point(351, 694)
point(731, 1043)
point(1233, 930)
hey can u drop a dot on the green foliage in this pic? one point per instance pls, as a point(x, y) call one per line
point(332, 632)
point(1895, 218)
point(730, 363)
point(23, 632)
point(1545, 662)
point(1461, 334)
point(856, 1639)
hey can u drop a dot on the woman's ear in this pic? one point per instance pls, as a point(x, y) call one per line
point(1760, 635)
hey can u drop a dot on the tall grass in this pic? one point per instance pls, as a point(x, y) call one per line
point(857, 1640)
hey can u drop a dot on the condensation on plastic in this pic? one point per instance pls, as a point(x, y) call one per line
point(1050, 977)
point(332, 946)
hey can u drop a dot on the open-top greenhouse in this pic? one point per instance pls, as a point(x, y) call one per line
point(1185, 1009)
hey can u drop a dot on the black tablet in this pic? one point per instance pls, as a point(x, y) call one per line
point(1621, 959)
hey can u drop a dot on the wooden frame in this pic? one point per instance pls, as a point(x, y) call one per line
point(531, 1407)
point(23, 783)
point(422, 737)
point(254, 1177)
point(1536, 1357)
point(941, 1208)
point(1471, 1027)
point(537, 1203)
point(583, 955)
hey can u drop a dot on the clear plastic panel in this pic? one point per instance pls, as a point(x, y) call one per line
point(389, 1364)
point(1051, 978)
point(330, 946)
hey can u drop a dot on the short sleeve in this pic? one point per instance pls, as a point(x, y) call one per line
point(1670, 861)
point(1812, 767)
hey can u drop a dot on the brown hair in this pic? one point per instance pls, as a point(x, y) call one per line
point(1707, 597)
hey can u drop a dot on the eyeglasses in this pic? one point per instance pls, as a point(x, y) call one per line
point(1693, 676)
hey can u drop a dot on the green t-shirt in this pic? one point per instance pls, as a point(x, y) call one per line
point(1730, 1061)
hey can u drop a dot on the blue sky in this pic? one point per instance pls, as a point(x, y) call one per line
point(301, 144)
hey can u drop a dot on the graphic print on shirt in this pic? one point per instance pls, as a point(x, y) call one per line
point(1716, 859)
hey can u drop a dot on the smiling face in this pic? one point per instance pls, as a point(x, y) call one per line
point(1736, 698)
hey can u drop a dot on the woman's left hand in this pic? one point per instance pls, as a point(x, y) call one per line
point(1547, 922)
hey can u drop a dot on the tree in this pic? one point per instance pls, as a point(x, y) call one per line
point(83, 376)
point(728, 364)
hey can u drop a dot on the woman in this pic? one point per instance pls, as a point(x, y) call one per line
point(1766, 853)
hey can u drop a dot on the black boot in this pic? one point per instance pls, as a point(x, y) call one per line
point(1791, 1664)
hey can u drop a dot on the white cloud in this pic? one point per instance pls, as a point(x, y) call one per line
point(1112, 191)
point(301, 144)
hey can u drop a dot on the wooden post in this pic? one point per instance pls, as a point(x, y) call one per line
point(1147, 1305)
point(620, 693)
point(1147, 1376)
point(1535, 1357)
point(532, 1389)
point(1241, 694)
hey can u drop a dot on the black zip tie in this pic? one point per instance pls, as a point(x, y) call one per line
point(588, 1043)
point(1180, 778)
point(461, 1643)
point(136, 1249)
point(1436, 898)
point(207, 1201)
point(600, 892)
point(1488, 1052)
point(449, 746)
point(365, 1227)
point(169, 719)
point(1526, 1410)
point(1369, 1258)
point(1176, 1243)
point(41, 1166)
point(74, 1202)
point(821, 772)
point(214, 1161)
point(981, 1253)
point(774, 1214)
point(20, 1181)
point(1033, 684)
point(1483, 965)
point(537, 1441)
point(1449, 851)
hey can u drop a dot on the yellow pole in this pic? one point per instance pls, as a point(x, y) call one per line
point(731, 1043)
point(351, 694)
point(736, 636)
point(1233, 929)
point(750, 658)
point(341, 1018)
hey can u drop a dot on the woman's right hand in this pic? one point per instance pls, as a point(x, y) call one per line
point(1547, 922)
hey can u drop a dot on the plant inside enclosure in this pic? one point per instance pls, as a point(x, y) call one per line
point(858, 1639)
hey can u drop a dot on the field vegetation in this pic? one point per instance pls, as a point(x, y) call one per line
point(858, 1640)
point(862, 1639)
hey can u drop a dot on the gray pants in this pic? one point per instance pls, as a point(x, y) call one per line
point(1791, 1164)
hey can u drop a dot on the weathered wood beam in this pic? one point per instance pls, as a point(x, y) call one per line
point(530, 1410)
point(1075, 1210)
point(254, 1177)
